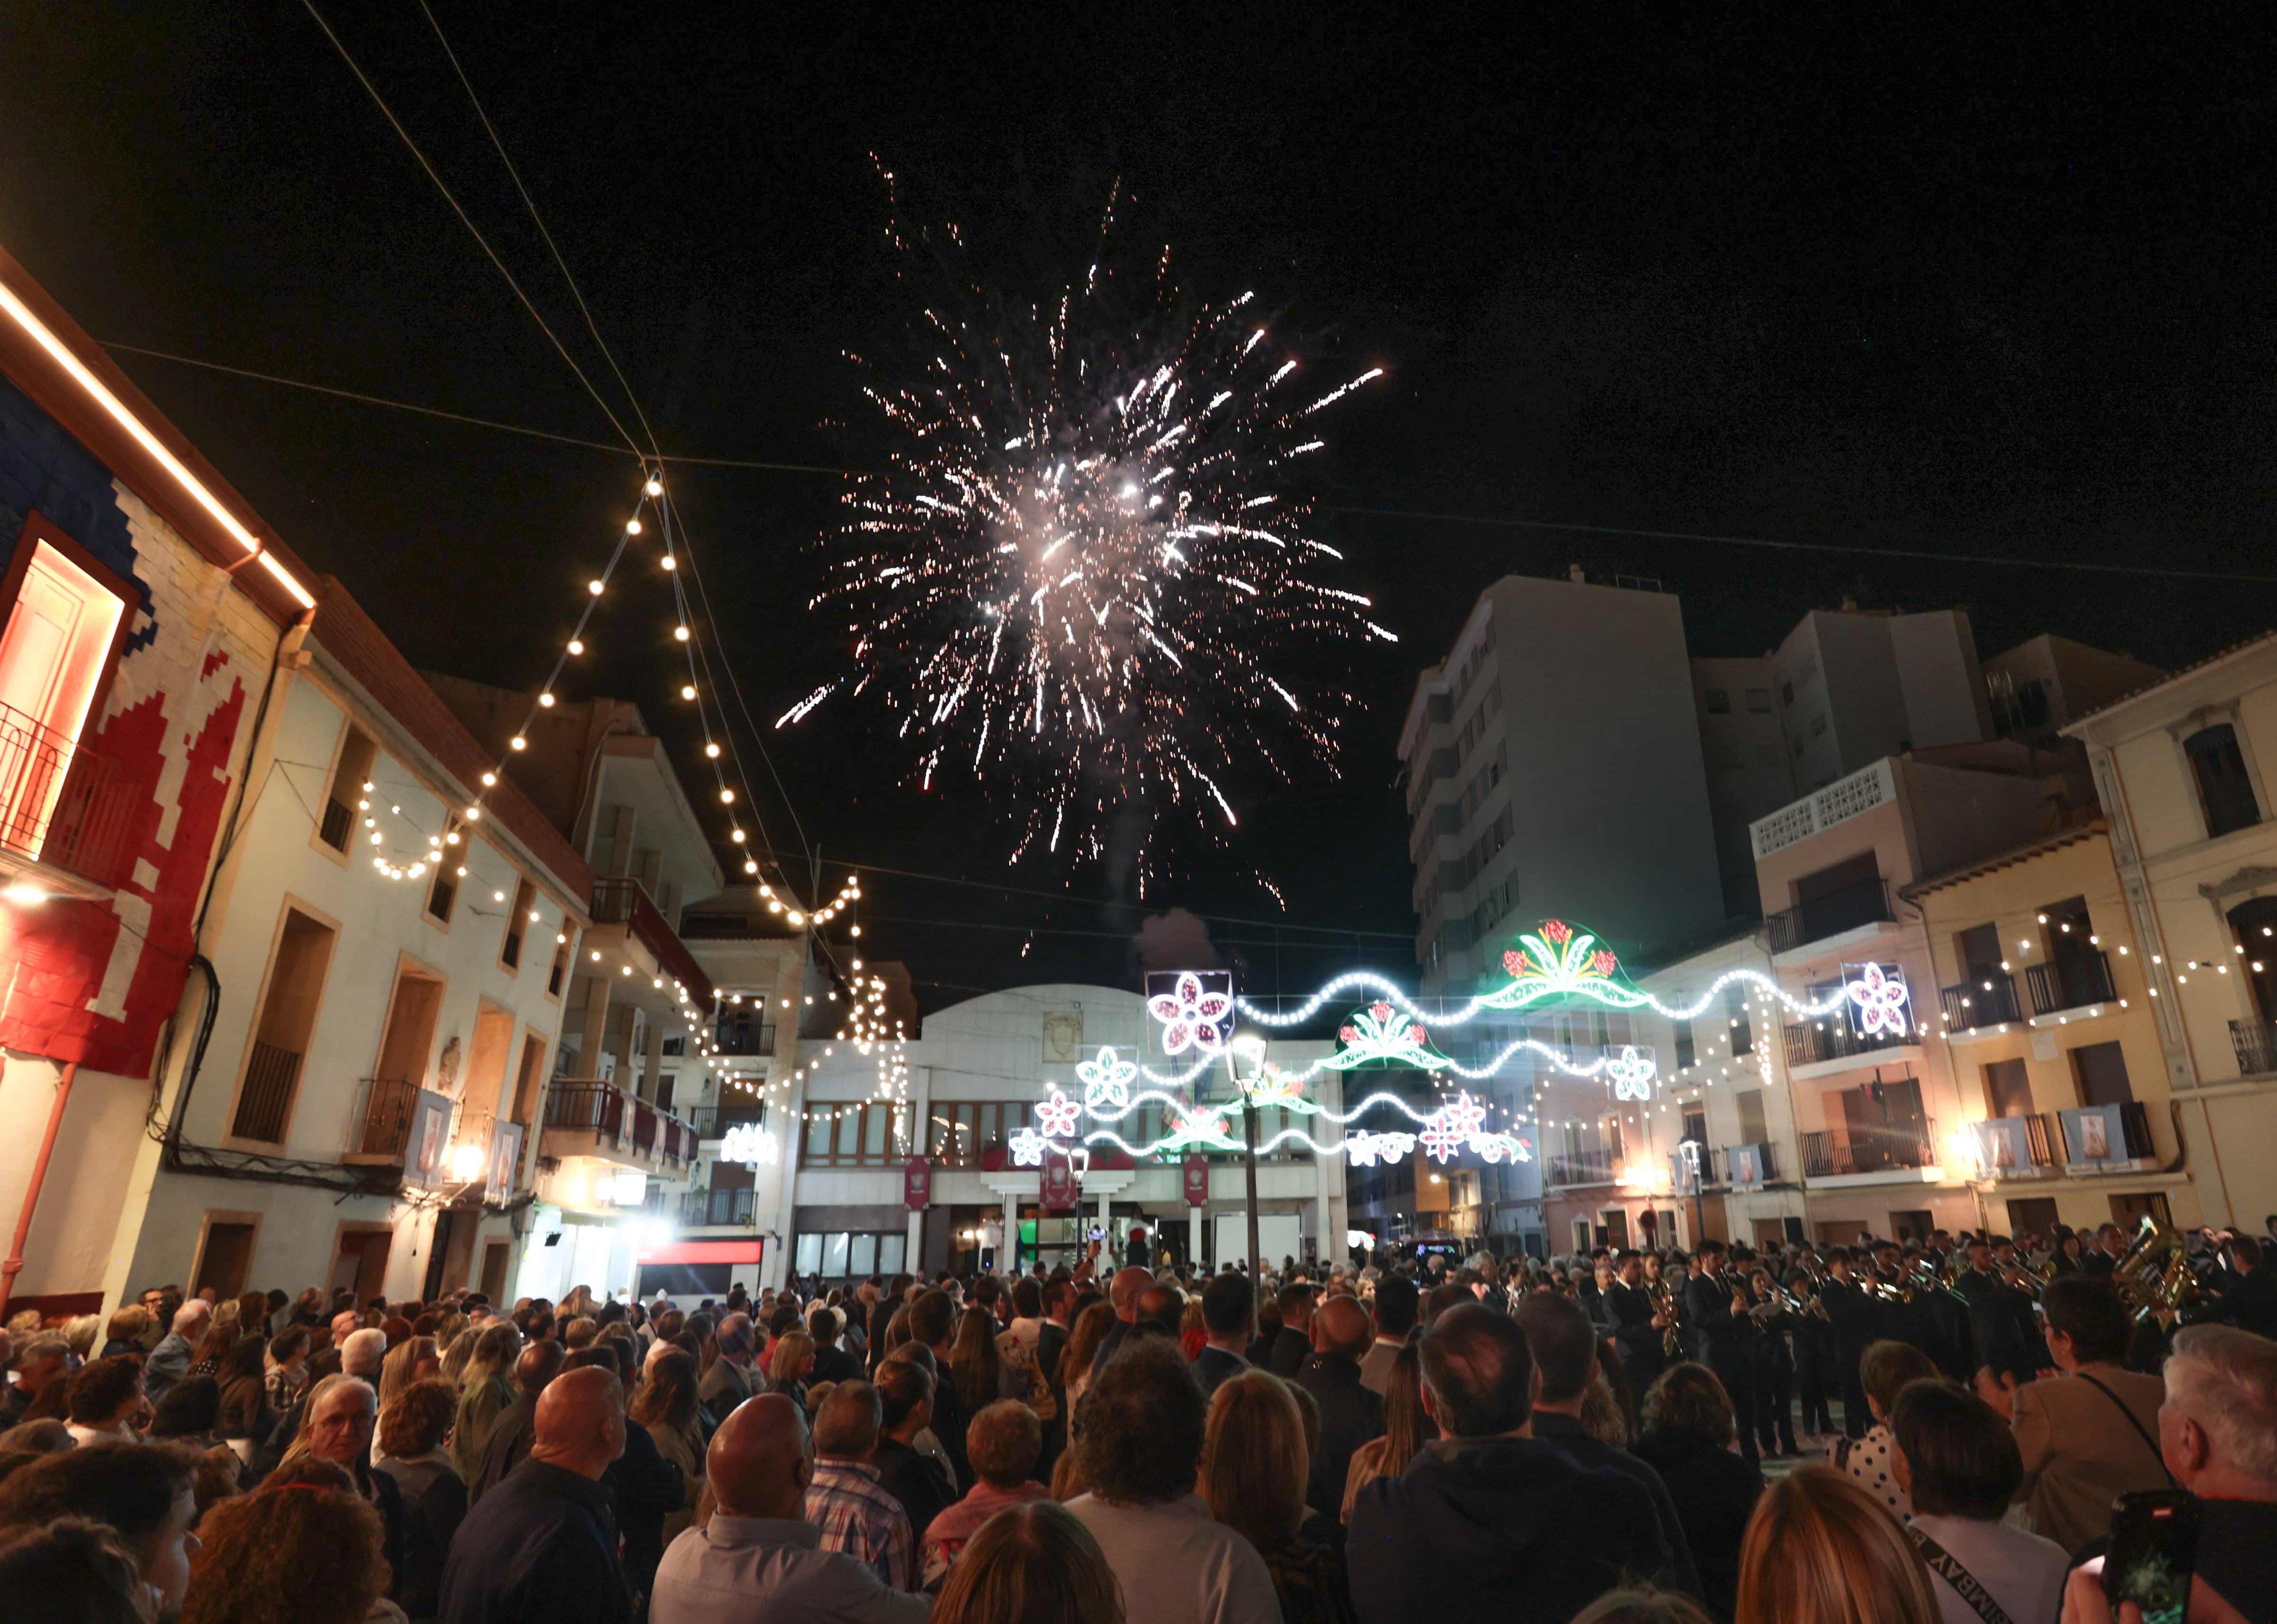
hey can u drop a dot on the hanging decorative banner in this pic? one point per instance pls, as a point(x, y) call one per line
point(1106, 1080)
point(917, 1184)
point(1057, 1115)
point(1196, 1179)
point(1562, 963)
point(1878, 999)
point(1633, 1070)
point(1057, 1187)
point(1192, 1008)
point(1380, 1036)
point(747, 1145)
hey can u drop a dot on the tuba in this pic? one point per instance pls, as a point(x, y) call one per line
point(2153, 1274)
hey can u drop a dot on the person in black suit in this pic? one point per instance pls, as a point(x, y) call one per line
point(2249, 1301)
point(2000, 1318)
point(1817, 1372)
point(1724, 1336)
point(1852, 1313)
point(1637, 1326)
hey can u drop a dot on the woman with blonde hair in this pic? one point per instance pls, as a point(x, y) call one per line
point(789, 1363)
point(1254, 1465)
point(1820, 1550)
point(1406, 1428)
point(415, 1359)
point(1030, 1564)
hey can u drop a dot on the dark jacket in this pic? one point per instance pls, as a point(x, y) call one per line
point(1290, 1350)
point(434, 1504)
point(1570, 1438)
point(507, 1447)
point(2251, 1303)
point(542, 1544)
point(1502, 1529)
point(645, 1489)
point(1213, 1367)
point(833, 1363)
point(1715, 1491)
point(1720, 1337)
point(917, 1481)
point(1351, 1416)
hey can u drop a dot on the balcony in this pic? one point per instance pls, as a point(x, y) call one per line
point(1846, 908)
point(717, 1208)
point(585, 1116)
point(2091, 1146)
point(2255, 1046)
point(713, 1121)
point(1732, 1162)
point(746, 1037)
point(2076, 982)
point(2022, 1147)
point(1902, 1148)
point(383, 1132)
point(1582, 1167)
point(1988, 1001)
point(1835, 1045)
point(625, 903)
point(61, 804)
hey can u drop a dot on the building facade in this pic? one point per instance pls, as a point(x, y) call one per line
point(2183, 770)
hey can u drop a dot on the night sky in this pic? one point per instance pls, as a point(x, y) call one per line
point(1993, 282)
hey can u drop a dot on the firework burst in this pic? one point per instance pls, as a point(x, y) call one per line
point(1086, 572)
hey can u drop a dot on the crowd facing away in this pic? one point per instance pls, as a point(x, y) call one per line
point(1401, 1444)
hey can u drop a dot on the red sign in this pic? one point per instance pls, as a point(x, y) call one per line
point(917, 1184)
point(1197, 1171)
point(1058, 1183)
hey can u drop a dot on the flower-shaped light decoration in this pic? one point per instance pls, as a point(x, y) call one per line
point(1464, 1115)
point(1058, 1115)
point(1562, 962)
point(1027, 1147)
point(1271, 1086)
point(745, 1145)
point(1191, 1017)
point(1441, 1138)
point(1379, 1035)
point(1197, 1128)
point(1491, 1148)
point(1106, 1080)
point(1366, 1149)
point(1880, 999)
point(1633, 1070)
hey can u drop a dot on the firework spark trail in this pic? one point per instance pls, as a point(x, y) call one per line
point(1089, 556)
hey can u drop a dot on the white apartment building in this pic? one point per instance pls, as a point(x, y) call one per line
point(2184, 770)
point(975, 1074)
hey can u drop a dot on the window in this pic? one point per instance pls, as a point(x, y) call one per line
point(1684, 1053)
point(875, 1134)
point(2102, 1071)
point(518, 920)
point(61, 632)
point(282, 1030)
point(560, 971)
point(351, 773)
point(961, 1131)
point(528, 1078)
point(445, 892)
point(1719, 702)
point(2007, 1089)
point(2224, 789)
point(1743, 1032)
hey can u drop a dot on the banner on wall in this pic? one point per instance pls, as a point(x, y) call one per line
point(1058, 1184)
point(917, 1184)
point(1196, 1170)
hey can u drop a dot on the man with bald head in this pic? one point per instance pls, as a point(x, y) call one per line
point(758, 1558)
point(1352, 1414)
point(542, 1544)
point(1124, 1291)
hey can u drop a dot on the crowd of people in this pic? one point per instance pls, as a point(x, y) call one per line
point(1402, 1442)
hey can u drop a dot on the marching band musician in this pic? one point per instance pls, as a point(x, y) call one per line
point(1816, 1375)
point(1636, 1324)
point(1854, 1316)
point(2000, 1315)
point(1715, 1307)
point(1774, 1322)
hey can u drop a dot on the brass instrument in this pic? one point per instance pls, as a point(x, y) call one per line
point(1664, 1302)
point(2153, 1274)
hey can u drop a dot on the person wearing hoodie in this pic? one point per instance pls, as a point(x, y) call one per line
point(1489, 1523)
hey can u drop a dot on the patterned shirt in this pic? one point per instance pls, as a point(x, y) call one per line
point(861, 1518)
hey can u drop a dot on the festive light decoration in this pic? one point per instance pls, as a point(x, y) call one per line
point(746, 1145)
point(1365, 1149)
point(1633, 1070)
point(1087, 549)
point(1560, 963)
point(1374, 1037)
point(1191, 1014)
point(1106, 1080)
point(1877, 998)
point(1027, 1148)
point(1270, 1086)
point(1058, 1113)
